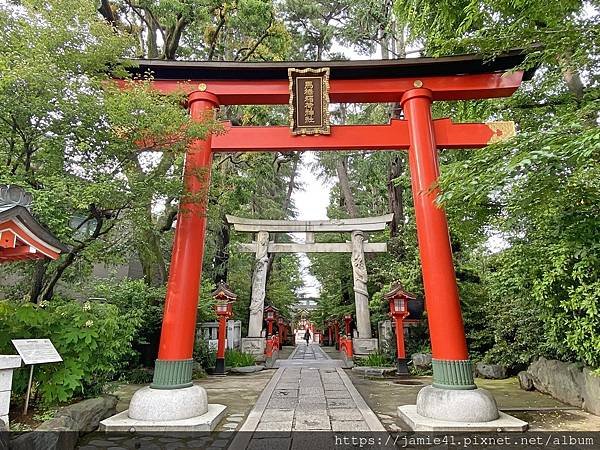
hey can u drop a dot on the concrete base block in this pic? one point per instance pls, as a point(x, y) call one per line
point(7, 364)
point(255, 346)
point(361, 346)
point(149, 404)
point(504, 422)
point(457, 405)
point(205, 422)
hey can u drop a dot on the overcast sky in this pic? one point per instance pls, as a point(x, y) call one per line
point(311, 200)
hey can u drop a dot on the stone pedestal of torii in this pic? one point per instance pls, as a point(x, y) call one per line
point(262, 247)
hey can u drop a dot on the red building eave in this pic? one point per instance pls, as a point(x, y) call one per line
point(22, 237)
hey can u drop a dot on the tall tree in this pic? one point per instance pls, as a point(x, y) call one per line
point(67, 135)
point(531, 202)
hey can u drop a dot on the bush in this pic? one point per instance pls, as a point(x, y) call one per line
point(207, 357)
point(94, 340)
point(204, 355)
point(136, 299)
point(137, 376)
point(376, 359)
point(236, 358)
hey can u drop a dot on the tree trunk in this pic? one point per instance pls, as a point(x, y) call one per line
point(341, 167)
point(107, 12)
point(395, 195)
point(48, 290)
point(173, 37)
point(221, 259)
point(151, 36)
point(286, 205)
point(37, 281)
point(395, 192)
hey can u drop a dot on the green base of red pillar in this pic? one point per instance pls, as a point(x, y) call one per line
point(172, 374)
point(453, 374)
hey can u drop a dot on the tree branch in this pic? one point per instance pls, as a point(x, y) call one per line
point(259, 41)
point(213, 43)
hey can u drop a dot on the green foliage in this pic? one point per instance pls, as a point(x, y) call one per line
point(137, 376)
point(525, 212)
point(417, 341)
point(523, 215)
point(420, 371)
point(44, 414)
point(94, 340)
point(238, 30)
point(70, 137)
point(376, 359)
point(539, 193)
point(204, 355)
point(236, 358)
point(134, 298)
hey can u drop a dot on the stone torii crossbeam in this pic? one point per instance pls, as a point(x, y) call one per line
point(262, 247)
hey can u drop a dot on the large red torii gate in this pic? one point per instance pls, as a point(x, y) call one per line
point(415, 83)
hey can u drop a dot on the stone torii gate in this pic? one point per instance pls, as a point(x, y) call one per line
point(262, 247)
point(308, 87)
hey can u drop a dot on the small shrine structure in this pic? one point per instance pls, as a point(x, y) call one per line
point(22, 237)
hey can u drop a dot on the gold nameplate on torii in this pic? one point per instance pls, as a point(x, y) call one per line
point(309, 101)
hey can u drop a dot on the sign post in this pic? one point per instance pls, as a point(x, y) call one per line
point(35, 351)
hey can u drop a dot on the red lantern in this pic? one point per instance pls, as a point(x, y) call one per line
point(398, 300)
point(282, 331)
point(399, 306)
point(347, 320)
point(224, 299)
point(271, 314)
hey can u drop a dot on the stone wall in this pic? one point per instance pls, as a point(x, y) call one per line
point(571, 383)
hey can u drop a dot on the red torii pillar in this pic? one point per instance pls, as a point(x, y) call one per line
point(451, 364)
point(174, 364)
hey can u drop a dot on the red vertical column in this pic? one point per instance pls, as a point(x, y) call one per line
point(400, 338)
point(222, 337)
point(174, 364)
point(448, 342)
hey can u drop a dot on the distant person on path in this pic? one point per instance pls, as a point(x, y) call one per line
point(307, 336)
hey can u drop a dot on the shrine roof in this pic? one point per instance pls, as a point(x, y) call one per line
point(224, 289)
point(398, 291)
point(363, 69)
point(27, 232)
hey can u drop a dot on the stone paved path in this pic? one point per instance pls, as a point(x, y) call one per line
point(308, 356)
point(308, 393)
